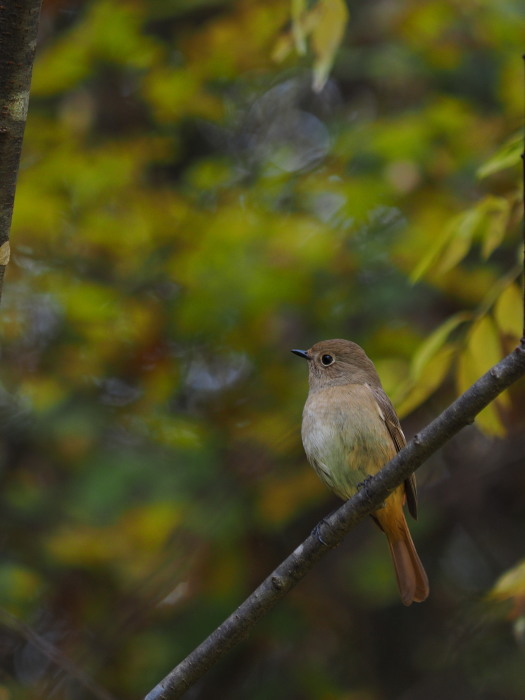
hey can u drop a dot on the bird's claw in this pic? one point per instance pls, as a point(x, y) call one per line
point(363, 485)
point(316, 532)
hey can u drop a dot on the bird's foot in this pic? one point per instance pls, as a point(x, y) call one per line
point(363, 486)
point(316, 532)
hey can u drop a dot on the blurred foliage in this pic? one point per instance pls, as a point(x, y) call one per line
point(188, 210)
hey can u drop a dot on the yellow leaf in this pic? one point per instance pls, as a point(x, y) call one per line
point(488, 420)
point(482, 352)
point(484, 345)
point(511, 584)
point(282, 48)
point(464, 228)
point(394, 373)
point(431, 255)
point(487, 221)
point(327, 34)
point(507, 156)
point(435, 342)
point(429, 379)
point(496, 212)
point(508, 312)
point(451, 245)
point(303, 22)
point(298, 11)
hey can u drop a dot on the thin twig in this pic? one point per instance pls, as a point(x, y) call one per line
point(459, 414)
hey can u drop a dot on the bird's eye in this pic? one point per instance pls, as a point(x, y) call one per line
point(327, 360)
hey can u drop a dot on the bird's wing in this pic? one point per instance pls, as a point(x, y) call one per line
point(389, 415)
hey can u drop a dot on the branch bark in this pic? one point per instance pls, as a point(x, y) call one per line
point(459, 414)
point(18, 34)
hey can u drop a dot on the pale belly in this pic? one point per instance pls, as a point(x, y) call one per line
point(345, 445)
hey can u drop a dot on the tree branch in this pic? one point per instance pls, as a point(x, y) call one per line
point(19, 23)
point(459, 414)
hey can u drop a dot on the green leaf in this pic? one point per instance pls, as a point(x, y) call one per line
point(434, 343)
point(506, 157)
point(435, 371)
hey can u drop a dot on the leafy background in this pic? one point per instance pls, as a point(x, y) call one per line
point(188, 210)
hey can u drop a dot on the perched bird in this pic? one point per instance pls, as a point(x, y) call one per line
point(350, 431)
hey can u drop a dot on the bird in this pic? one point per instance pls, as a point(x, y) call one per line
point(350, 430)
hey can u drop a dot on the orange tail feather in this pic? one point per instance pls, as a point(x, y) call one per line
point(411, 577)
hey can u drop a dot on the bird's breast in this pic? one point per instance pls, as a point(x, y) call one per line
point(344, 436)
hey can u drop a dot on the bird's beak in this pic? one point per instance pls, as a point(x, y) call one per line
point(301, 353)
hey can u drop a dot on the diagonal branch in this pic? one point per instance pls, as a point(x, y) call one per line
point(459, 414)
point(19, 24)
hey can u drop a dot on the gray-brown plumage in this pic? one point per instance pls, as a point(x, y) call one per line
point(350, 431)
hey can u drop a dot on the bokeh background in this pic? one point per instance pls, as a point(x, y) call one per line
point(188, 210)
